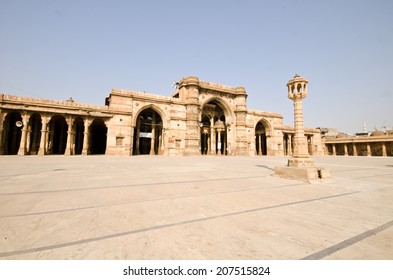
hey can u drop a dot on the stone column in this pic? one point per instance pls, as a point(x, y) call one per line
point(345, 149)
point(86, 138)
point(22, 147)
point(300, 141)
point(368, 150)
point(41, 149)
point(153, 134)
point(334, 149)
point(289, 144)
point(212, 137)
point(297, 91)
point(132, 140)
point(261, 143)
point(384, 153)
point(300, 166)
point(137, 134)
point(68, 151)
point(355, 151)
point(312, 152)
point(208, 144)
point(28, 137)
point(162, 140)
point(49, 138)
point(219, 142)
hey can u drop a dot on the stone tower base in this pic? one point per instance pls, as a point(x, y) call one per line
point(311, 173)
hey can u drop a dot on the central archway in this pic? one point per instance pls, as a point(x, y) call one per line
point(213, 133)
point(148, 133)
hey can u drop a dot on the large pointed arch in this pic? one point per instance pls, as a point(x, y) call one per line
point(148, 132)
point(228, 112)
point(215, 120)
point(156, 109)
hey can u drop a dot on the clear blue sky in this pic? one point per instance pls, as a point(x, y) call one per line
point(82, 49)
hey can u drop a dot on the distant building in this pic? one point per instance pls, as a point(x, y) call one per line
point(377, 143)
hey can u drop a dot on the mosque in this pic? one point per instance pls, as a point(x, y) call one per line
point(200, 118)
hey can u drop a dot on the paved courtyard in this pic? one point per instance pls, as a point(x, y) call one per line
point(153, 207)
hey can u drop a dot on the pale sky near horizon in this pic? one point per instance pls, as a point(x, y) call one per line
point(82, 49)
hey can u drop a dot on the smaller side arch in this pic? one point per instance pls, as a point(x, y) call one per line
point(98, 134)
point(263, 131)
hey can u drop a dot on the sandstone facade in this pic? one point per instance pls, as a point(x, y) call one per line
point(199, 118)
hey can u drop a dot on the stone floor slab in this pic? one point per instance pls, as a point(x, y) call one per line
point(204, 207)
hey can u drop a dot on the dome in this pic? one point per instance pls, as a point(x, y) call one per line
point(377, 133)
point(341, 135)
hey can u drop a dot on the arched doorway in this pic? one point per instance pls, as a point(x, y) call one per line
point(34, 130)
point(213, 132)
point(79, 129)
point(58, 128)
point(98, 131)
point(148, 133)
point(12, 133)
point(260, 139)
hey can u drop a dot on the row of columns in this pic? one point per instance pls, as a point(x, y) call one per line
point(355, 151)
point(260, 139)
point(47, 137)
point(214, 147)
point(29, 138)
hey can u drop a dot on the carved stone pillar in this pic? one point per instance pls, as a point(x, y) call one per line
point(345, 149)
point(42, 147)
point(368, 150)
point(132, 140)
point(300, 166)
point(334, 149)
point(258, 144)
point(68, 151)
point(384, 153)
point(219, 142)
point(212, 137)
point(355, 151)
point(22, 147)
point(86, 138)
point(153, 134)
point(137, 134)
point(289, 144)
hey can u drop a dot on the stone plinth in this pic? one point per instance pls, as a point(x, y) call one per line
point(301, 173)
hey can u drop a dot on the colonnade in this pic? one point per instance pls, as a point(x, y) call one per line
point(32, 133)
point(214, 141)
point(375, 148)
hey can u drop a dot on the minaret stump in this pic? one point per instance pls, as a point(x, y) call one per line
point(300, 166)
